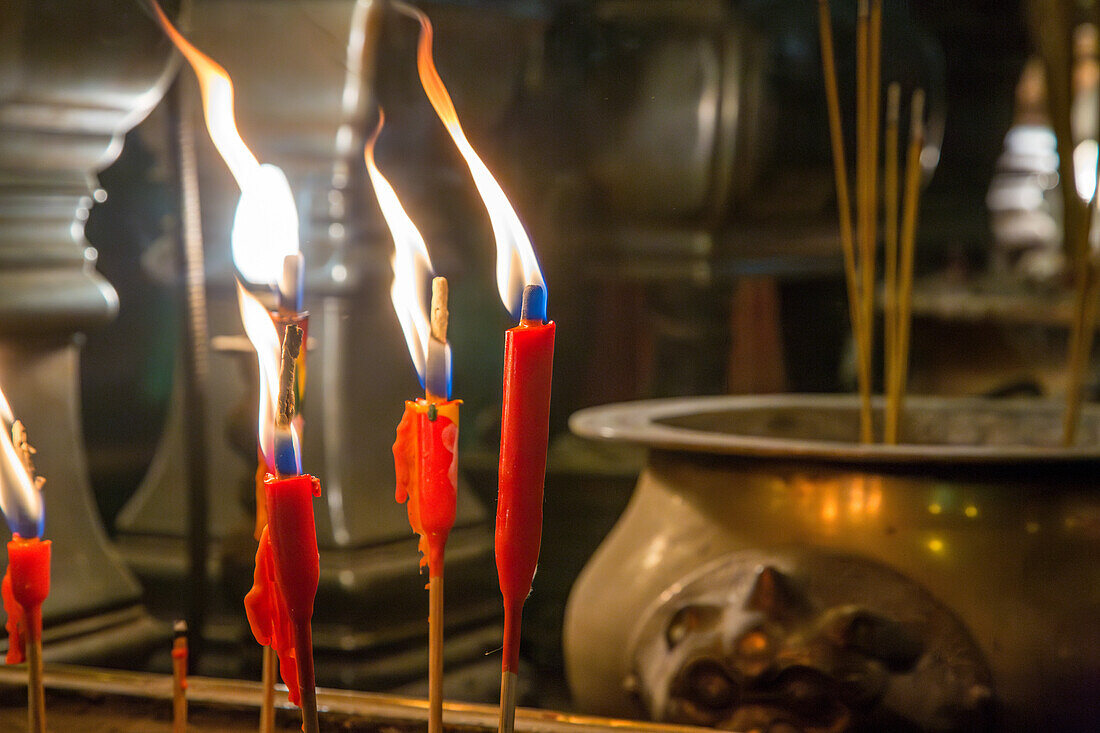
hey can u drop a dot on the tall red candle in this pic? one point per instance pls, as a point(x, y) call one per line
point(26, 585)
point(525, 425)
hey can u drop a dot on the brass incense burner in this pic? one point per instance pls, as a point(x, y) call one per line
point(771, 571)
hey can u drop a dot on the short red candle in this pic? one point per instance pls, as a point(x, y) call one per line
point(26, 585)
point(426, 463)
point(525, 426)
point(280, 604)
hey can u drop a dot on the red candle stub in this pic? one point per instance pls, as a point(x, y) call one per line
point(426, 463)
point(280, 604)
point(525, 426)
point(26, 585)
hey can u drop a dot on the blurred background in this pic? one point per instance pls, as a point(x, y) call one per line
point(670, 160)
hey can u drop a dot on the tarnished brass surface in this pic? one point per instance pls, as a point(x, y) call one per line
point(1000, 526)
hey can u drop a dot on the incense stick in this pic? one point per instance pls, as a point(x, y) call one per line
point(439, 320)
point(871, 162)
point(908, 243)
point(890, 290)
point(866, 275)
point(844, 210)
point(179, 677)
point(1052, 24)
point(1083, 324)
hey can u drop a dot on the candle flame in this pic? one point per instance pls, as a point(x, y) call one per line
point(412, 266)
point(265, 227)
point(262, 333)
point(20, 500)
point(517, 265)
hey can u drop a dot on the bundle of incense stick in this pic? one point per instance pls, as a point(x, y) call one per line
point(1053, 26)
point(859, 245)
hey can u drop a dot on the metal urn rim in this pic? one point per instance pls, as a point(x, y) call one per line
point(935, 430)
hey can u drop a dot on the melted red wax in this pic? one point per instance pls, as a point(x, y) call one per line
point(267, 615)
point(426, 463)
point(25, 586)
point(525, 425)
point(17, 640)
point(280, 604)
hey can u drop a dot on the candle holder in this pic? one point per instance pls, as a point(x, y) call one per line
point(780, 573)
point(77, 78)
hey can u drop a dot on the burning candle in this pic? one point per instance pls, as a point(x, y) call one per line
point(26, 582)
point(528, 365)
point(265, 250)
point(426, 449)
point(280, 604)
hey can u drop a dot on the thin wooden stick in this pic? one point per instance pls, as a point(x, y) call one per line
point(1052, 25)
point(1081, 340)
point(1084, 322)
point(179, 677)
point(508, 683)
point(1086, 278)
point(890, 299)
point(908, 240)
point(866, 271)
point(844, 210)
point(871, 161)
point(435, 653)
point(267, 701)
point(36, 695)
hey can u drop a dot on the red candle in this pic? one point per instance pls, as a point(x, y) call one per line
point(426, 463)
point(280, 604)
point(525, 425)
point(26, 585)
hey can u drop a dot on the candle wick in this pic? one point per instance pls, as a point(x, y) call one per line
point(437, 377)
point(25, 451)
point(292, 344)
point(440, 314)
point(534, 304)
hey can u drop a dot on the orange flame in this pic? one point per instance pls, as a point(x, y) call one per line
point(517, 265)
point(262, 333)
point(412, 266)
point(265, 228)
